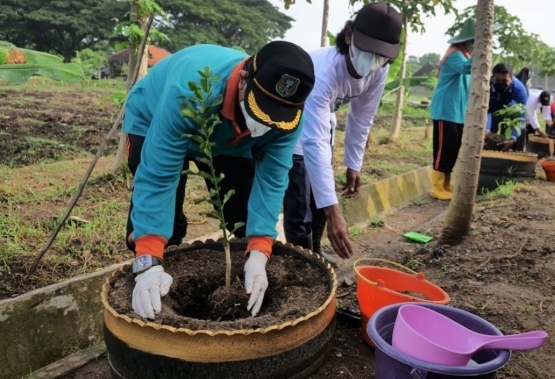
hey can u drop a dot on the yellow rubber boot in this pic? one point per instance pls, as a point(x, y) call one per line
point(438, 186)
point(447, 185)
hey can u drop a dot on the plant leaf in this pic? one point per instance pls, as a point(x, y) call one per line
point(236, 226)
point(189, 172)
point(204, 175)
point(212, 214)
point(204, 160)
point(228, 195)
point(188, 113)
point(217, 101)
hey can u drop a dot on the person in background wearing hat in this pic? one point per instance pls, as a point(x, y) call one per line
point(448, 108)
point(263, 101)
point(538, 100)
point(352, 72)
point(506, 90)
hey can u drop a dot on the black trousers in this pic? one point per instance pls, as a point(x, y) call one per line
point(300, 215)
point(239, 175)
point(447, 143)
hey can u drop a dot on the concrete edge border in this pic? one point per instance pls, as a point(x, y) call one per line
point(41, 327)
point(69, 364)
point(386, 194)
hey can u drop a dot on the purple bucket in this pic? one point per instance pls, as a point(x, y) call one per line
point(393, 364)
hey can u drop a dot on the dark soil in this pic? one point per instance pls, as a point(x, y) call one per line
point(503, 272)
point(196, 301)
point(39, 126)
point(492, 141)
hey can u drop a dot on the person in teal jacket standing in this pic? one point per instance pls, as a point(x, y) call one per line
point(263, 101)
point(448, 108)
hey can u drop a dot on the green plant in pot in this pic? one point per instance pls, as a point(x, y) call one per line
point(199, 109)
point(204, 329)
point(497, 166)
point(512, 118)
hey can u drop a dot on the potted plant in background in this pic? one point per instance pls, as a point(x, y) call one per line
point(204, 329)
point(497, 166)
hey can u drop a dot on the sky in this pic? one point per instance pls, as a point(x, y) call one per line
point(308, 22)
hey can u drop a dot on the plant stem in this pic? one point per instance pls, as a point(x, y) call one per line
point(224, 229)
point(227, 264)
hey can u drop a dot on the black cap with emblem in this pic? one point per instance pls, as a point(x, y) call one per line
point(280, 78)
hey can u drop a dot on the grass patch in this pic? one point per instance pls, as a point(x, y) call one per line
point(355, 231)
point(33, 198)
point(381, 159)
point(503, 191)
point(376, 222)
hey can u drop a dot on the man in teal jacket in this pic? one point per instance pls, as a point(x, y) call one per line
point(448, 108)
point(263, 101)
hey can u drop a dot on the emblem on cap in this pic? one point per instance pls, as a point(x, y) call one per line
point(287, 85)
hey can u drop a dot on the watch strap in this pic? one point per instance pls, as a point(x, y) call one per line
point(144, 262)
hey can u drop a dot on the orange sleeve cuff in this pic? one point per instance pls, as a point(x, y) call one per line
point(150, 245)
point(263, 244)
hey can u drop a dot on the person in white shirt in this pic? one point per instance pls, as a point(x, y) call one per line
point(538, 100)
point(353, 72)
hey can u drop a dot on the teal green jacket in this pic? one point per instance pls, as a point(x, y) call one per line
point(450, 97)
point(153, 110)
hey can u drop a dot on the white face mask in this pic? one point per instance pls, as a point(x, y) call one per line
point(365, 62)
point(257, 129)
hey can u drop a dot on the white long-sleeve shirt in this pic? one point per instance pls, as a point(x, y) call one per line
point(335, 87)
point(532, 106)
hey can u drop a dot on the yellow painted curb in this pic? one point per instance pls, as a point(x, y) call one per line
point(386, 194)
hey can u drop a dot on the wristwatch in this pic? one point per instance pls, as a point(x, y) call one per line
point(144, 262)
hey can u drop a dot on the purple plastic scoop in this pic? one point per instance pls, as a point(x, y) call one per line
point(430, 336)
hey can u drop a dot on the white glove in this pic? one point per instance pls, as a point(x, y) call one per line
point(256, 281)
point(150, 286)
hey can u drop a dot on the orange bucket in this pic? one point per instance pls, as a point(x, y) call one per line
point(378, 287)
point(549, 169)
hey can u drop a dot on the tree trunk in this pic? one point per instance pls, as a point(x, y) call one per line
point(467, 171)
point(134, 44)
point(546, 83)
point(325, 18)
point(400, 99)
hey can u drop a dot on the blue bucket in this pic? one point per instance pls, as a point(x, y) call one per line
point(393, 364)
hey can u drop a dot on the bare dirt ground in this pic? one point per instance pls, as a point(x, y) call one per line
point(36, 126)
point(503, 272)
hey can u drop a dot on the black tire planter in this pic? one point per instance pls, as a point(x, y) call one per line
point(499, 167)
point(294, 349)
point(538, 145)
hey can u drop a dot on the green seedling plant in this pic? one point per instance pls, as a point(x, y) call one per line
point(513, 117)
point(201, 108)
